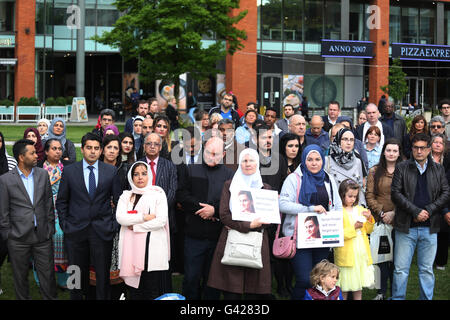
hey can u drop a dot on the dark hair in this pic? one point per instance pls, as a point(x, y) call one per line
point(249, 197)
point(348, 184)
point(334, 102)
point(249, 111)
point(20, 147)
point(130, 156)
point(49, 142)
point(135, 167)
point(199, 115)
point(412, 130)
point(107, 140)
point(381, 167)
point(253, 103)
point(260, 129)
point(283, 143)
point(421, 137)
point(288, 105)
point(443, 101)
point(371, 129)
point(315, 221)
point(108, 112)
point(193, 132)
point(271, 109)
point(90, 136)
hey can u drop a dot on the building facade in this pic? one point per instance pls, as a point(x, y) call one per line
point(283, 59)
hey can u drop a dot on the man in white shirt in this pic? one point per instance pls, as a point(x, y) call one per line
point(334, 109)
point(372, 120)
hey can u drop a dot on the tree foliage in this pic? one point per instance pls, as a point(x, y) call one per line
point(166, 36)
point(397, 87)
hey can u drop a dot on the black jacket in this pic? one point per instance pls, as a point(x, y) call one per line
point(403, 192)
point(201, 183)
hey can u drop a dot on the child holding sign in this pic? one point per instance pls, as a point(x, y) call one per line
point(354, 258)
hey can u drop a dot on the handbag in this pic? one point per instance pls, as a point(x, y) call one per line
point(243, 249)
point(285, 247)
point(381, 245)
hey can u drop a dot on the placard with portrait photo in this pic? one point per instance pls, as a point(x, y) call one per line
point(320, 230)
point(249, 204)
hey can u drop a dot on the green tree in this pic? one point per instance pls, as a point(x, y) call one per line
point(166, 36)
point(397, 87)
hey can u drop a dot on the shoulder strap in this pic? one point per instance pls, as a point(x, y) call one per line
point(296, 219)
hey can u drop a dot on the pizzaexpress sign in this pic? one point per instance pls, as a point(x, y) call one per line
point(407, 51)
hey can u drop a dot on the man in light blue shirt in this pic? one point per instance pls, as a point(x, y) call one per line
point(28, 182)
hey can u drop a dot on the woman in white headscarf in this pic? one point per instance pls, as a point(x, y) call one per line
point(43, 125)
point(144, 240)
point(234, 281)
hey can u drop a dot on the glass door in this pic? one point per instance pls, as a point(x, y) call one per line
point(271, 91)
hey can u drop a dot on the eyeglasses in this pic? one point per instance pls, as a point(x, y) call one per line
point(436, 127)
point(418, 148)
point(152, 144)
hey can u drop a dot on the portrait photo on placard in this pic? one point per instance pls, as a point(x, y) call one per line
point(249, 204)
point(320, 230)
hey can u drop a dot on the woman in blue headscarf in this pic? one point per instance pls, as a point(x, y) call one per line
point(308, 189)
point(57, 131)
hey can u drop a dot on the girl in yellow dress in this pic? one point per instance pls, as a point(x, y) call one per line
point(354, 258)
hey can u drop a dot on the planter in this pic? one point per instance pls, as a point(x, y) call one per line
point(6, 113)
point(51, 112)
point(29, 113)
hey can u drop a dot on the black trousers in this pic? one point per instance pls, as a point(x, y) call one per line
point(80, 247)
point(20, 254)
point(442, 249)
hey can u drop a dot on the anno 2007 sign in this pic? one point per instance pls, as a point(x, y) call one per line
point(346, 49)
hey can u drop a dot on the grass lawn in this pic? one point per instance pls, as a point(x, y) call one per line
point(441, 290)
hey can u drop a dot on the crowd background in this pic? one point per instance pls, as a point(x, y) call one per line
point(293, 138)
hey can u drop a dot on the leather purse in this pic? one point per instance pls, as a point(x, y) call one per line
point(285, 247)
point(243, 249)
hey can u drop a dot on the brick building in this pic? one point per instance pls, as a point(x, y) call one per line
point(282, 60)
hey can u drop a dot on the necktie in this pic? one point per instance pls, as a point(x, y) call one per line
point(152, 166)
point(192, 159)
point(92, 186)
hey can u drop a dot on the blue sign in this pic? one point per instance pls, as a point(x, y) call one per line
point(425, 52)
point(347, 49)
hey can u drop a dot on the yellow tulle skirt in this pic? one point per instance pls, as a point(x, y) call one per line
point(361, 275)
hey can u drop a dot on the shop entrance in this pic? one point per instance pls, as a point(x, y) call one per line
point(271, 94)
point(421, 93)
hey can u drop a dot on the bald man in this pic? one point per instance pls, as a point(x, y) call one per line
point(316, 134)
point(297, 125)
point(373, 120)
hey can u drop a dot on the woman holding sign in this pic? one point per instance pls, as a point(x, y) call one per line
point(309, 189)
point(236, 280)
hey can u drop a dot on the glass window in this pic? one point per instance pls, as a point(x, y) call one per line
point(313, 20)
point(107, 17)
point(410, 25)
point(7, 16)
point(270, 19)
point(90, 17)
point(394, 24)
point(332, 20)
point(427, 26)
point(292, 20)
point(357, 22)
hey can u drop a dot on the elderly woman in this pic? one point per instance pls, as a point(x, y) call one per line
point(308, 189)
point(235, 280)
point(57, 130)
point(144, 236)
point(344, 162)
point(42, 126)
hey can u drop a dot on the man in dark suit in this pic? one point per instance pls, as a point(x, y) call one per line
point(86, 217)
point(373, 120)
point(164, 175)
point(27, 221)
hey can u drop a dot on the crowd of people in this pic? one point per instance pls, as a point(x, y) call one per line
point(156, 200)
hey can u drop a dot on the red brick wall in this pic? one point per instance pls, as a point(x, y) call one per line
point(241, 67)
point(25, 51)
point(379, 65)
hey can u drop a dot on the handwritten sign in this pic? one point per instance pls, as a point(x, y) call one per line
point(249, 204)
point(320, 230)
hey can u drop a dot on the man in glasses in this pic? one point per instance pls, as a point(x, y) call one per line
point(226, 109)
point(444, 106)
point(420, 193)
point(394, 121)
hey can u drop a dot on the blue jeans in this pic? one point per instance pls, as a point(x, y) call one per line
point(198, 254)
point(302, 263)
point(405, 245)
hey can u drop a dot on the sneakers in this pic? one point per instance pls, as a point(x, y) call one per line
point(379, 297)
point(442, 268)
point(1, 291)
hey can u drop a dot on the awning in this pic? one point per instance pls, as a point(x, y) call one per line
point(6, 61)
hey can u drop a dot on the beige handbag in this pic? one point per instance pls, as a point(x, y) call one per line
point(243, 249)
